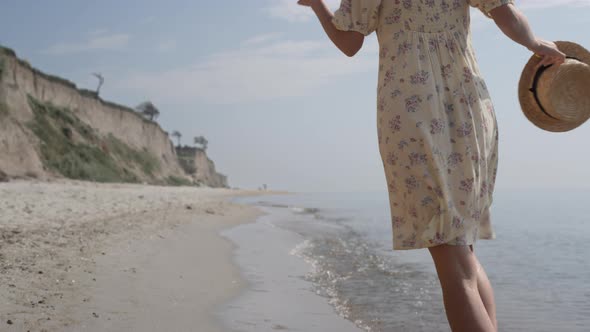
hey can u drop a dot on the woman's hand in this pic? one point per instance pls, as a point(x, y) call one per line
point(515, 25)
point(349, 42)
point(548, 51)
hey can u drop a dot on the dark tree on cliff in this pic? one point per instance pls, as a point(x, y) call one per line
point(178, 135)
point(201, 140)
point(100, 82)
point(148, 109)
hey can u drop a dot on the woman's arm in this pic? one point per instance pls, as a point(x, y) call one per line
point(515, 25)
point(349, 42)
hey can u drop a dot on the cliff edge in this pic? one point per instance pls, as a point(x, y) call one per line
point(195, 162)
point(50, 128)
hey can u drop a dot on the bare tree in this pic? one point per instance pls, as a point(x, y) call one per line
point(100, 82)
point(201, 140)
point(178, 135)
point(148, 109)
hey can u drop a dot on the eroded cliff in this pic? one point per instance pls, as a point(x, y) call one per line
point(202, 169)
point(50, 128)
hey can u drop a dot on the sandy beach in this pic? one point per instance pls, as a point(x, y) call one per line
point(81, 256)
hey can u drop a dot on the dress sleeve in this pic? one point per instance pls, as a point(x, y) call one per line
point(486, 5)
point(357, 15)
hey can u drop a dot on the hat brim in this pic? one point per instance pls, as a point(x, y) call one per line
point(529, 105)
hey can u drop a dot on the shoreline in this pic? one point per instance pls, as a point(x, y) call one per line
point(108, 257)
point(278, 295)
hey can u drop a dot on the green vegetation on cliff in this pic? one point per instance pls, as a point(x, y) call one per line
point(70, 142)
point(144, 159)
point(177, 181)
point(3, 110)
point(75, 150)
point(186, 161)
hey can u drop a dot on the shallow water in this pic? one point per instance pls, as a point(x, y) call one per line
point(539, 264)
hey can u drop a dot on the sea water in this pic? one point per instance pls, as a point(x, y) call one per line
point(337, 247)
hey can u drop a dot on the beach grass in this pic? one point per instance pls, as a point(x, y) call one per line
point(76, 151)
point(143, 158)
point(1, 68)
point(177, 181)
point(3, 110)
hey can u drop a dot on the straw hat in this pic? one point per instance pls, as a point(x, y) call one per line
point(557, 98)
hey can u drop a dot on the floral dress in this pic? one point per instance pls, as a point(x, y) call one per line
point(436, 125)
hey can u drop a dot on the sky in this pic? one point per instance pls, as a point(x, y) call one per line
point(277, 101)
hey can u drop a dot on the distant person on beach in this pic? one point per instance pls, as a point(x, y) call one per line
point(437, 131)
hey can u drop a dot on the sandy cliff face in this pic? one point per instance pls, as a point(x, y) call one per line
point(23, 151)
point(202, 169)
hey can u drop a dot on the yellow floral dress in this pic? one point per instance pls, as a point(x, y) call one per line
point(436, 124)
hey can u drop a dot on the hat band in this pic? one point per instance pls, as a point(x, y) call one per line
point(538, 74)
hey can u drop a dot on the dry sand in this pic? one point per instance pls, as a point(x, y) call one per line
point(79, 256)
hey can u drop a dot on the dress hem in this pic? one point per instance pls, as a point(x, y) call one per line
point(467, 243)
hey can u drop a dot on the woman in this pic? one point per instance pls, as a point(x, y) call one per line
point(437, 131)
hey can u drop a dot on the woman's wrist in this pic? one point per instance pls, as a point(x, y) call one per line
point(316, 5)
point(534, 45)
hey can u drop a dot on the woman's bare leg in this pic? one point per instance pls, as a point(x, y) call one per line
point(457, 269)
point(486, 293)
